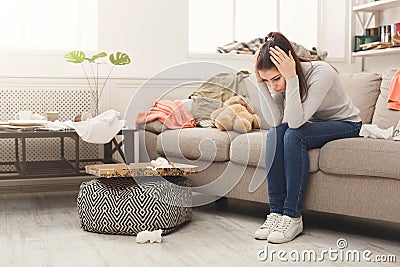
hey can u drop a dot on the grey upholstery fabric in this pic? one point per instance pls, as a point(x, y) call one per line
point(354, 195)
point(209, 144)
point(365, 101)
point(256, 101)
point(361, 156)
point(384, 117)
point(147, 146)
point(153, 126)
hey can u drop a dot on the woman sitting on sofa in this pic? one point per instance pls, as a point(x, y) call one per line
point(316, 111)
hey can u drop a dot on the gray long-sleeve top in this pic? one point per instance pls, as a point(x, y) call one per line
point(326, 100)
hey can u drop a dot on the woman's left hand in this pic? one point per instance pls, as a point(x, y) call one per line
point(284, 63)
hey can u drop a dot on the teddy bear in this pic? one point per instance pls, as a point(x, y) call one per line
point(237, 115)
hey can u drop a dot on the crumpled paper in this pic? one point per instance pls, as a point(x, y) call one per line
point(373, 131)
point(160, 162)
point(152, 236)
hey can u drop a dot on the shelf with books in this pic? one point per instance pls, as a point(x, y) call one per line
point(375, 52)
point(369, 17)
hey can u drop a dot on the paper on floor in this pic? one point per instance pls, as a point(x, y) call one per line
point(152, 236)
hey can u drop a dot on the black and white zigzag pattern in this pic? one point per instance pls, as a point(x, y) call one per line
point(130, 205)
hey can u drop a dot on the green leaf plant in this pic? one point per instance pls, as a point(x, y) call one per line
point(79, 57)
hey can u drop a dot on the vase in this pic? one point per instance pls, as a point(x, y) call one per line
point(94, 103)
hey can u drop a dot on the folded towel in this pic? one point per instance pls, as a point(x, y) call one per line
point(172, 114)
point(394, 92)
point(100, 129)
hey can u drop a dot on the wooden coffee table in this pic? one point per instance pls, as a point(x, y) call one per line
point(56, 168)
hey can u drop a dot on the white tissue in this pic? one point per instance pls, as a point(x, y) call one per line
point(152, 236)
point(56, 126)
point(160, 163)
point(373, 131)
point(100, 129)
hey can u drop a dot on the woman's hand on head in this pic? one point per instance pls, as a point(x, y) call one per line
point(284, 62)
point(256, 55)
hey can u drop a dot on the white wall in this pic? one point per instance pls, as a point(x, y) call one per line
point(154, 34)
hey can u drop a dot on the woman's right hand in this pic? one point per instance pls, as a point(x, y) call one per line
point(255, 59)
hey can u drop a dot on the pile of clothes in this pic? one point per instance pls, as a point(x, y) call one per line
point(251, 47)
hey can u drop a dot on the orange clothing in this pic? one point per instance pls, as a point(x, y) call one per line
point(172, 114)
point(394, 92)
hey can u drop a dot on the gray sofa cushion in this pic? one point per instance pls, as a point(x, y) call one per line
point(361, 156)
point(249, 149)
point(208, 144)
point(384, 117)
point(147, 146)
point(363, 89)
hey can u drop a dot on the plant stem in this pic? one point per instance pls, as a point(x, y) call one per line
point(97, 90)
point(104, 84)
point(87, 78)
point(94, 76)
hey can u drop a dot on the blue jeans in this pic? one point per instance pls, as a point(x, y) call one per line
point(288, 163)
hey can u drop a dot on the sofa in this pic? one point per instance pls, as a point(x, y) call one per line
point(356, 177)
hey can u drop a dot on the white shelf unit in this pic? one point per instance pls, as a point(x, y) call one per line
point(377, 6)
point(370, 53)
point(374, 10)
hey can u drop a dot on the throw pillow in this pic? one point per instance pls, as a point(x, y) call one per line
point(256, 101)
point(153, 126)
point(383, 116)
point(215, 91)
point(363, 89)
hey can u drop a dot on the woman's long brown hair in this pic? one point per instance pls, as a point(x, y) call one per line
point(264, 61)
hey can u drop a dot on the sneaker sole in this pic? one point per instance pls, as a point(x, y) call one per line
point(280, 241)
point(261, 237)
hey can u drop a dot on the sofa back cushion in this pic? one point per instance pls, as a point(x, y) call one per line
point(363, 89)
point(256, 101)
point(383, 116)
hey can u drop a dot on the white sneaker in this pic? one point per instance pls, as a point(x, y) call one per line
point(269, 224)
point(286, 230)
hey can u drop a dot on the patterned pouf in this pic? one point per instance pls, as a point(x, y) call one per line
point(131, 205)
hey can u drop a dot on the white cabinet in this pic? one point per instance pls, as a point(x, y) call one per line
point(364, 14)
